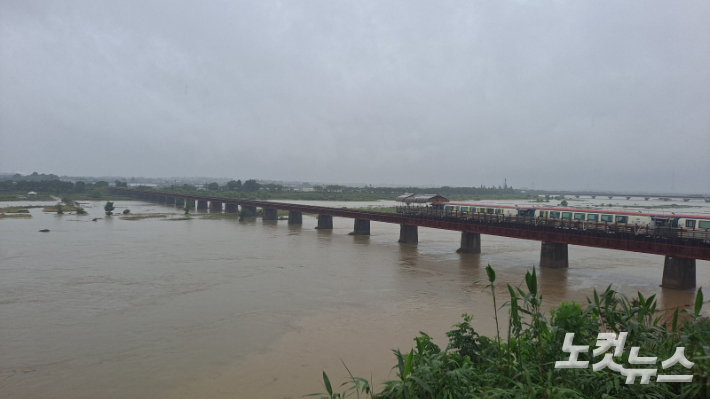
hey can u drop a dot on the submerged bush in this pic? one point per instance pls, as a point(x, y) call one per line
point(523, 365)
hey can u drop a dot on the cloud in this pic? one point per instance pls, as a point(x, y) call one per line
point(605, 95)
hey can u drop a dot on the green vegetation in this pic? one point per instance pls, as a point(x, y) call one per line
point(109, 208)
point(15, 216)
point(255, 191)
point(141, 216)
point(19, 209)
point(523, 365)
point(59, 208)
point(45, 186)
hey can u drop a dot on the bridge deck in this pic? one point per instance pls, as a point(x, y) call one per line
point(678, 246)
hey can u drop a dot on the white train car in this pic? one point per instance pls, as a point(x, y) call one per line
point(584, 218)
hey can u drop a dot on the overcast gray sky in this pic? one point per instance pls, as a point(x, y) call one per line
point(559, 94)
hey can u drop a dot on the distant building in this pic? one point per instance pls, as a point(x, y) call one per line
point(31, 193)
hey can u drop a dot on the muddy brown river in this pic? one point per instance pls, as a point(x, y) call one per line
point(218, 308)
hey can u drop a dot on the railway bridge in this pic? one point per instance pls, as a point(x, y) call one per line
point(680, 252)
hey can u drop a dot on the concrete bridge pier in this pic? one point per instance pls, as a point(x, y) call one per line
point(170, 200)
point(249, 210)
point(201, 205)
point(408, 234)
point(295, 217)
point(230, 208)
point(678, 273)
point(325, 222)
point(470, 243)
point(554, 255)
point(270, 214)
point(361, 228)
point(215, 206)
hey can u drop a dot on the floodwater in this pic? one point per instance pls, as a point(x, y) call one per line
point(220, 308)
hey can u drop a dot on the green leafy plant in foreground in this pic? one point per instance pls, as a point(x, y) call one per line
point(523, 365)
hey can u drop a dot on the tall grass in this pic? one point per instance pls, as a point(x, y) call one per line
point(523, 365)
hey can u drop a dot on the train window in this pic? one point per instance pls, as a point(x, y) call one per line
point(490, 210)
point(579, 216)
point(608, 218)
point(554, 215)
point(566, 215)
point(704, 224)
point(593, 217)
point(690, 224)
point(622, 219)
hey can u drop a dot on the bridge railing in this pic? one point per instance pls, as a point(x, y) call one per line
point(621, 230)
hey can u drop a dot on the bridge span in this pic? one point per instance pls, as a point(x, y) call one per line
point(680, 251)
point(611, 195)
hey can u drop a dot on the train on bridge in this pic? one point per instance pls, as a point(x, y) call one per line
point(695, 227)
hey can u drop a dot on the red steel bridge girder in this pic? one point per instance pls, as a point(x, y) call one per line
point(525, 232)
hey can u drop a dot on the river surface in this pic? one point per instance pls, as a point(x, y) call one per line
point(204, 308)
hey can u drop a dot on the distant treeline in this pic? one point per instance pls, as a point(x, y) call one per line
point(9, 189)
point(251, 189)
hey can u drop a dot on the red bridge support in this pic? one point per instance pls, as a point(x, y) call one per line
point(678, 273)
point(408, 234)
point(470, 243)
point(554, 255)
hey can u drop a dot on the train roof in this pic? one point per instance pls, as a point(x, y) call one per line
point(587, 210)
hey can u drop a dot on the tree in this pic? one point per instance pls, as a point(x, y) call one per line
point(232, 185)
point(109, 208)
point(251, 186)
point(60, 209)
point(563, 203)
point(213, 186)
point(101, 183)
point(121, 183)
point(80, 186)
